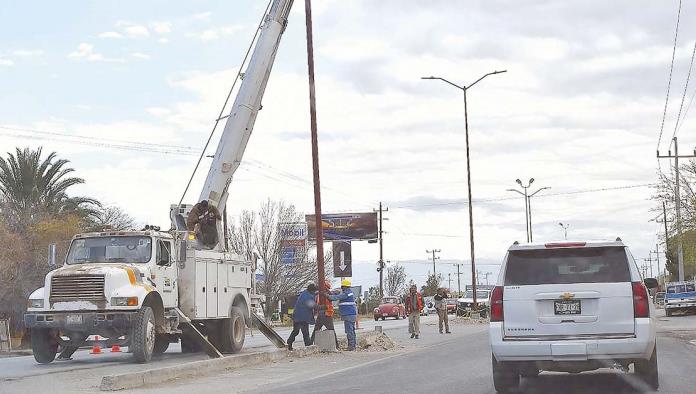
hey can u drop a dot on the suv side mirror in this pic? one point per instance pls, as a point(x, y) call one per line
point(650, 283)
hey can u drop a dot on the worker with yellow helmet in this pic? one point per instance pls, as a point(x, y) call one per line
point(348, 309)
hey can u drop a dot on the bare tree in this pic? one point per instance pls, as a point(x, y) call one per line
point(431, 285)
point(396, 280)
point(112, 217)
point(260, 232)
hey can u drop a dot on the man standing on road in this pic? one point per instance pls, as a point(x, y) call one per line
point(325, 314)
point(303, 315)
point(441, 306)
point(348, 309)
point(414, 305)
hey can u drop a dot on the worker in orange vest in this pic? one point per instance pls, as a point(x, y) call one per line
point(325, 314)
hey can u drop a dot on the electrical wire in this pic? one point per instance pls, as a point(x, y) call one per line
point(669, 81)
point(686, 87)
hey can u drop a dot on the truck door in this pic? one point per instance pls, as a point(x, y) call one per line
point(166, 274)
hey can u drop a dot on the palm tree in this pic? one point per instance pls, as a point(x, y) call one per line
point(31, 188)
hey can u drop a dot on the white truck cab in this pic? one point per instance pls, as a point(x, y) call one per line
point(571, 307)
point(134, 288)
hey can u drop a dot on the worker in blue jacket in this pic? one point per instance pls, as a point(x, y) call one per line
point(303, 315)
point(348, 310)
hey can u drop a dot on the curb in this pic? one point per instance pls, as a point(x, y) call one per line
point(196, 368)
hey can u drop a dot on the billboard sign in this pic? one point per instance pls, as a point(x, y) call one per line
point(293, 242)
point(342, 260)
point(344, 226)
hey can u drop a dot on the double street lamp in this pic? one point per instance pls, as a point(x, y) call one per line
point(527, 204)
point(565, 229)
point(464, 89)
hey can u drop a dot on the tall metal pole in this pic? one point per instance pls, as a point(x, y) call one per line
point(315, 148)
point(526, 213)
point(664, 220)
point(381, 257)
point(657, 256)
point(459, 282)
point(471, 205)
point(677, 204)
point(529, 204)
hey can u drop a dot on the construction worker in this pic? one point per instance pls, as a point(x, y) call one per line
point(414, 306)
point(325, 314)
point(441, 307)
point(203, 220)
point(303, 315)
point(348, 310)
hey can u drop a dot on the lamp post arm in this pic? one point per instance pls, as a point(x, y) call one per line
point(516, 191)
point(543, 188)
point(484, 76)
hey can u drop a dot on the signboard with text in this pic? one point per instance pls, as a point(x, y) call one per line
point(344, 226)
point(293, 242)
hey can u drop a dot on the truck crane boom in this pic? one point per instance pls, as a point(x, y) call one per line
point(247, 104)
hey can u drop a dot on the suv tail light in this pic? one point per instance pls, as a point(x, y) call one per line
point(497, 304)
point(641, 307)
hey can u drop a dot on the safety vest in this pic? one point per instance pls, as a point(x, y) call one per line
point(347, 305)
point(328, 312)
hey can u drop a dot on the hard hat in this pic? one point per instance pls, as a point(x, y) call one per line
point(345, 283)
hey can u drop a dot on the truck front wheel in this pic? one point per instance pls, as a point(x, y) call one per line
point(44, 345)
point(232, 331)
point(142, 339)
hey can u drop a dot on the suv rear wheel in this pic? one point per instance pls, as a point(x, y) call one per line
point(646, 370)
point(505, 378)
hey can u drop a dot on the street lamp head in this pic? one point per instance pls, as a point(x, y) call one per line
point(518, 181)
point(499, 72)
point(430, 77)
point(560, 224)
point(531, 180)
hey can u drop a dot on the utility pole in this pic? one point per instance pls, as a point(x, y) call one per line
point(459, 282)
point(315, 147)
point(434, 257)
point(649, 262)
point(677, 202)
point(449, 281)
point(486, 275)
point(380, 263)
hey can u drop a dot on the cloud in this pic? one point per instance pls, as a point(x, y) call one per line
point(110, 34)
point(6, 62)
point(85, 51)
point(140, 55)
point(202, 15)
point(161, 27)
point(27, 52)
point(163, 40)
point(133, 30)
point(217, 32)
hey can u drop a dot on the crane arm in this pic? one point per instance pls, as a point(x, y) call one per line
point(247, 104)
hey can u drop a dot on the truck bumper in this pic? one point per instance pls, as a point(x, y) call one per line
point(682, 304)
point(79, 321)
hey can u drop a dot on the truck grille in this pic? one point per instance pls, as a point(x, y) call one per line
point(77, 288)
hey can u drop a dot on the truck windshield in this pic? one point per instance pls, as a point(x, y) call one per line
point(110, 250)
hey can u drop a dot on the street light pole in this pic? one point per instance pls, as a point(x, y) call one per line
point(464, 88)
point(565, 229)
point(527, 204)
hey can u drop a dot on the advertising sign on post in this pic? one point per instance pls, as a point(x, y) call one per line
point(293, 242)
point(342, 260)
point(344, 226)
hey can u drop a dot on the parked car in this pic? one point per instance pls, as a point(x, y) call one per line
point(428, 306)
point(451, 305)
point(571, 307)
point(660, 298)
point(390, 307)
point(466, 303)
point(680, 297)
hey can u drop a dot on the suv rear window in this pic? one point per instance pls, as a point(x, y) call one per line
point(563, 266)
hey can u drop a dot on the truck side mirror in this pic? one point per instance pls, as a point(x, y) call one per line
point(181, 256)
point(650, 283)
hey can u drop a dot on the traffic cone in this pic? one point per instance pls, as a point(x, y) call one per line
point(115, 349)
point(96, 349)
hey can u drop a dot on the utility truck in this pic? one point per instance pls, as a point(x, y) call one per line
point(147, 289)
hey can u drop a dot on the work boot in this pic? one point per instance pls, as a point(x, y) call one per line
point(412, 335)
point(448, 332)
point(440, 331)
point(290, 346)
point(417, 336)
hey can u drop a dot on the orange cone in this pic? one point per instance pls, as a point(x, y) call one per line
point(96, 349)
point(115, 349)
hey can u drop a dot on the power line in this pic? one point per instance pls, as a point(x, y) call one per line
point(686, 87)
point(669, 81)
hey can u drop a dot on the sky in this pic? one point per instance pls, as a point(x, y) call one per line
point(128, 92)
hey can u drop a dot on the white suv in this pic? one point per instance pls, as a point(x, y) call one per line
point(571, 307)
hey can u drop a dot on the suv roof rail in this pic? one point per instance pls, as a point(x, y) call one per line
point(515, 243)
point(618, 239)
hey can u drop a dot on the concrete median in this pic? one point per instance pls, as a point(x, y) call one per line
point(196, 368)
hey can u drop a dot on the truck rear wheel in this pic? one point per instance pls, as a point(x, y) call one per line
point(142, 339)
point(44, 345)
point(232, 331)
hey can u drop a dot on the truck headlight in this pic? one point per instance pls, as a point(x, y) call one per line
point(36, 303)
point(124, 301)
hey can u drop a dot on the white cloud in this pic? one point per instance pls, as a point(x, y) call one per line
point(133, 30)
point(140, 55)
point(161, 27)
point(159, 111)
point(215, 33)
point(163, 40)
point(208, 35)
point(202, 15)
point(27, 52)
point(110, 34)
point(6, 62)
point(85, 51)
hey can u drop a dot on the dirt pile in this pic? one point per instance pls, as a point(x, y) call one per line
point(371, 342)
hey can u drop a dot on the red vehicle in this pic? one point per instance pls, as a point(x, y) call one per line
point(390, 307)
point(451, 305)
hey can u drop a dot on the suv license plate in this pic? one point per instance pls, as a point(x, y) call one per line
point(570, 307)
point(74, 319)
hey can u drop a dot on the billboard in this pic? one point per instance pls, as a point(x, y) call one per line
point(342, 260)
point(293, 241)
point(344, 226)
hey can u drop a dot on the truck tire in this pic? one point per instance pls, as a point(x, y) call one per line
point(505, 378)
point(233, 331)
point(142, 338)
point(161, 343)
point(646, 370)
point(668, 312)
point(189, 346)
point(44, 345)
